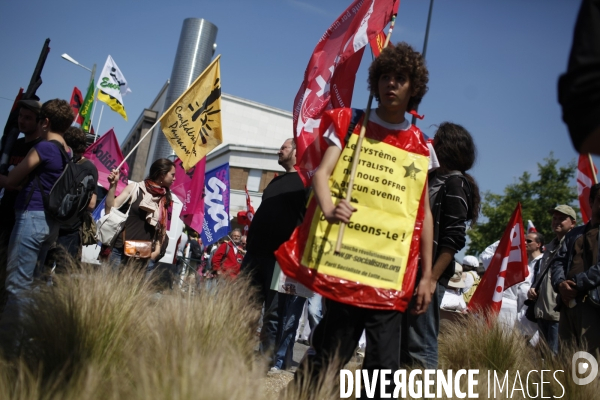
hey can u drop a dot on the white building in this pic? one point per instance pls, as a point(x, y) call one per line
point(252, 136)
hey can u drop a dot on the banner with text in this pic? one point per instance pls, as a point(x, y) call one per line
point(216, 205)
point(376, 267)
point(106, 155)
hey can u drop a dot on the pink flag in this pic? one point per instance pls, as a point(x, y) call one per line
point(585, 180)
point(106, 156)
point(507, 268)
point(189, 187)
point(530, 227)
point(330, 75)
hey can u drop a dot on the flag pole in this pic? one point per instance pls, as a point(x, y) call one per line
point(363, 131)
point(592, 168)
point(93, 109)
point(99, 120)
point(138, 143)
point(414, 118)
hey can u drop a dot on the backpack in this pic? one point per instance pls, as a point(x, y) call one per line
point(72, 191)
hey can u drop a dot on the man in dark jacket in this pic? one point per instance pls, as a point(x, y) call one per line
point(576, 272)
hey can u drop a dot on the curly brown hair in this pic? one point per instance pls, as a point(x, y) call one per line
point(400, 58)
point(75, 139)
point(59, 113)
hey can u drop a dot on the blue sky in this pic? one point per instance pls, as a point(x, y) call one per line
point(493, 65)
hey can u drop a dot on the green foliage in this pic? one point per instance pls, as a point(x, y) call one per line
point(552, 187)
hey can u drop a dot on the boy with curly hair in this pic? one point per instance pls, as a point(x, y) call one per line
point(398, 80)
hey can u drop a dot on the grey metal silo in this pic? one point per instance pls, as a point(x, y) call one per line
point(194, 52)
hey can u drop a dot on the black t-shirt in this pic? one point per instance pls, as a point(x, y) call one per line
point(7, 203)
point(282, 209)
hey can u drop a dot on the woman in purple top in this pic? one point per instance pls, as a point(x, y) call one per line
point(34, 231)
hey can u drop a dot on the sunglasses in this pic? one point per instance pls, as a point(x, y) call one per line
point(528, 240)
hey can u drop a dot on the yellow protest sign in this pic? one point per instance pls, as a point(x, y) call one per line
point(192, 124)
point(387, 192)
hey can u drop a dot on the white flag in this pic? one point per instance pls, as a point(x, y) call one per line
point(112, 85)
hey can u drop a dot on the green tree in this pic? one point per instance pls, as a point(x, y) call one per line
point(537, 198)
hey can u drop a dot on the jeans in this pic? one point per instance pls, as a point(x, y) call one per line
point(315, 310)
point(117, 260)
point(289, 310)
point(31, 238)
point(270, 322)
point(549, 331)
point(420, 334)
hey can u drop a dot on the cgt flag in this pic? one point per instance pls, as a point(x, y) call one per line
point(112, 86)
point(530, 227)
point(188, 187)
point(329, 77)
point(106, 155)
point(377, 43)
point(507, 268)
point(585, 179)
point(76, 103)
point(85, 112)
point(192, 124)
point(216, 205)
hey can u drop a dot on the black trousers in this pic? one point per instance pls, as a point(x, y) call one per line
point(338, 334)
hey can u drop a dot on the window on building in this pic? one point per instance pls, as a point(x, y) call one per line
point(254, 176)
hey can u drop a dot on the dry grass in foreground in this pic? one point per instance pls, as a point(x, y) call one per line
point(98, 335)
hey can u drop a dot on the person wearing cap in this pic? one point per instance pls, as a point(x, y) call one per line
point(541, 296)
point(28, 126)
point(453, 299)
point(575, 273)
point(472, 279)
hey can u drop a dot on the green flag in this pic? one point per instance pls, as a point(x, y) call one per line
point(86, 108)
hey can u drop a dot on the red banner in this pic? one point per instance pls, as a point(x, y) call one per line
point(377, 43)
point(585, 180)
point(507, 268)
point(189, 187)
point(76, 102)
point(106, 156)
point(329, 77)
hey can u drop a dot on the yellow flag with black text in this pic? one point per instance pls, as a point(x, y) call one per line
point(192, 124)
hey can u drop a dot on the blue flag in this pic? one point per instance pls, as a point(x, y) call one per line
point(99, 210)
point(216, 205)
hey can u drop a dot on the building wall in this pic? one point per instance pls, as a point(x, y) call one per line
point(252, 135)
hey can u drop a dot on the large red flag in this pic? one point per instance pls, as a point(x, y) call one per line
point(585, 180)
point(329, 77)
point(106, 155)
point(507, 268)
point(76, 102)
point(189, 187)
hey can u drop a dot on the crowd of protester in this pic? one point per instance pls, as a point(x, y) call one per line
point(557, 304)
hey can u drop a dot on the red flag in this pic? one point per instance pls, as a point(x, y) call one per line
point(76, 102)
point(249, 212)
point(585, 180)
point(530, 227)
point(106, 155)
point(189, 187)
point(507, 268)
point(329, 77)
point(377, 43)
